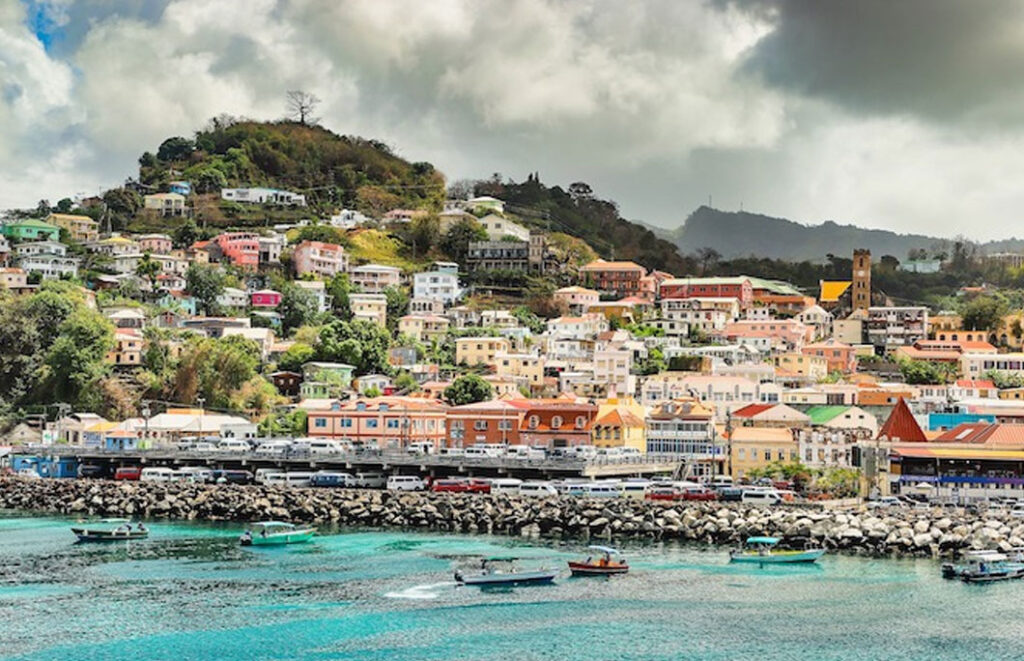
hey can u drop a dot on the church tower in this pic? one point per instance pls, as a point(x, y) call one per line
point(861, 280)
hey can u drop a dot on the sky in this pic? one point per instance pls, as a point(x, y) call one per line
point(905, 116)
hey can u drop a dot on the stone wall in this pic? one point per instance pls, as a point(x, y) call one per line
point(890, 532)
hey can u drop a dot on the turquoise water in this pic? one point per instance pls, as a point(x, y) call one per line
point(190, 592)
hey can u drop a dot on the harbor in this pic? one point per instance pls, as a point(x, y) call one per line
point(191, 591)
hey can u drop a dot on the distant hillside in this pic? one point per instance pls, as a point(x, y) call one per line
point(741, 234)
point(577, 212)
point(331, 170)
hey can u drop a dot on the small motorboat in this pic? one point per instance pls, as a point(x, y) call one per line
point(605, 565)
point(110, 530)
point(761, 550)
point(276, 533)
point(502, 571)
point(984, 567)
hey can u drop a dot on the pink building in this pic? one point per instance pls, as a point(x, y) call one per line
point(840, 357)
point(242, 249)
point(578, 299)
point(158, 244)
point(265, 298)
point(737, 287)
point(788, 332)
point(321, 259)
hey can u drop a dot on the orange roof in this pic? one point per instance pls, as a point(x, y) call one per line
point(601, 265)
point(975, 383)
point(901, 425)
point(986, 433)
point(831, 291)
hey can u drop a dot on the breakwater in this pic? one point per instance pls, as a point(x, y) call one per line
point(890, 532)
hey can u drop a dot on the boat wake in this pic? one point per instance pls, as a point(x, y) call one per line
point(430, 591)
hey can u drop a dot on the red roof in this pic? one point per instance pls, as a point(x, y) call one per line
point(975, 383)
point(986, 433)
point(902, 425)
point(750, 410)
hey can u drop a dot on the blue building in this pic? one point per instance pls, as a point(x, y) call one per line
point(943, 421)
point(46, 466)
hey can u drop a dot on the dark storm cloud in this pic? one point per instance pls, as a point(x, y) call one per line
point(944, 60)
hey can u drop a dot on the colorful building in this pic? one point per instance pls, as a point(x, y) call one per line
point(384, 422)
point(614, 278)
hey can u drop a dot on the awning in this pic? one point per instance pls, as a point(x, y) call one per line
point(953, 453)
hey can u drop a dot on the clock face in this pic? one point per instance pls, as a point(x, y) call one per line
point(860, 274)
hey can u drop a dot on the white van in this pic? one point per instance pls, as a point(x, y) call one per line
point(477, 452)
point(720, 481)
point(323, 446)
point(540, 489)
point(494, 449)
point(273, 448)
point(761, 496)
point(630, 454)
point(571, 488)
point(405, 483)
point(297, 479)
point(370, 480)
point(263, 474)
point(506, 485)
point(197, 474)
point(158, 474)
point(584, 452)
point(233, 445)
point(420, 448)
point(524, 452)
point(602, 490)
point(635, 489)
point(453, 452)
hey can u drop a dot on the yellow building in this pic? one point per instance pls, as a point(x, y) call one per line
point(525, 368)
point(802, 366)
point(620, 423)
point(423, 327)
point(369, 307)
point(81, 228)
point(479, 350)
point(756, 447)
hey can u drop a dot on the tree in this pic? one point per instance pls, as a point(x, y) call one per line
point(468, 389)
point(423, 234)
point(205, 283)
point(122, 203)
point(362, 344)
point(65, 205)
point(398, 305)
point(210, 180)
point(301, 106)
point(338, 288)
point(149, 269)
point(186, 234)
point(77, 359)
point(322, 233)
point(983, 313)
point(455, 242)
point(175, 149)
point(707, 257)
point(215, 369)
point(295, 357)
point(374, 201)
point(921, 372)
point(461, 189)
point(297, 307)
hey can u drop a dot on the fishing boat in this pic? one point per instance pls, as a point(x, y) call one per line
point(276, 533)
point(110, 530)
point(984, 567)
point(605, 565)
point(761, 550)
point(502, 571)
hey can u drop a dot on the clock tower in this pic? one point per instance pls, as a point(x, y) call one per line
point(861, 279)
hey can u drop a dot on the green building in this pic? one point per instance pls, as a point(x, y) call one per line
point(31, 230)
point(325, 380)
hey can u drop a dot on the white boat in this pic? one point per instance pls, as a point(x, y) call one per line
point(984, 567)
point(761, 550)
point(110, 530)
point(502, 571)
point(276, 533)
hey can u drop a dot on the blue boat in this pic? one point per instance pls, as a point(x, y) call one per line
point(761, 550)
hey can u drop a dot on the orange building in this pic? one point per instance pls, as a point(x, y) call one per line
point(385, 422)
point(840, 357)
point(491, 422)
point(557, 423)
point(617, 278)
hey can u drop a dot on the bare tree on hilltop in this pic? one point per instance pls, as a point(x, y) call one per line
point(301, 106)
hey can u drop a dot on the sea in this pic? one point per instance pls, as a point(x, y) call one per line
point(191, 591)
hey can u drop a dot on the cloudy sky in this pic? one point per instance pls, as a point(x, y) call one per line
point(905, 115)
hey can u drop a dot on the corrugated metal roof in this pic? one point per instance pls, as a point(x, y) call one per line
point(831, 291)
point(821, 415)
point(902, 425)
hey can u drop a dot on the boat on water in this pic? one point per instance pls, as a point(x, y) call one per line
point(276, 533)
point(985, 567)
point(110, 530)
point(762, 550)
point(605, 565)
point(503, 571)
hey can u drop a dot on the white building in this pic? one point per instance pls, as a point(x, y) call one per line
point(896, 326)
point(348, 219)
point(498, 228)
point(584, 326)
point(263, 196)
point(318, 289)
point(271, 247)
point(375, 278)
point(976, 365)
point(232, 297)
point(321, 259)
point(440, 284)
point(613, 367)
point(726, 393)
point(819, 319)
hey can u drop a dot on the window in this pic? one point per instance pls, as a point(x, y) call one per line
point(321, 422)
point(533, 422)
point(504, 425)
point(392, 423)
point(556, 422)
point(346, 422)
point(581, 421)
point(480, 425)
point(372, 423)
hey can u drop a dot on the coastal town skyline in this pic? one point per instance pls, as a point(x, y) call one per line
point(797, 110)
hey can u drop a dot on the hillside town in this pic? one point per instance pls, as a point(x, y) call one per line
point(738, 375)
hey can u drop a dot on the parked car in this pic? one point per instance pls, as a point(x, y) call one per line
point(537, 489)
point(449, 486)
point(478, 485)
point(158, 474)
point(730, 494)
point(699, 493)
point(370, 480)
point(199, 474)
point(453, 452)
point(228, 476)
point(91, 470)
point(132, 473)
point(405, 483)
point(1017, 511)
point(885, 502)
point(332, 479)
point(420, 448)
point(663, 493)
point(234, 445)
point(761, 495)
point(262, 474)
point(273, 448)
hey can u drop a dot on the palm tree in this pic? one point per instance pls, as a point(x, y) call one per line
point(149, 269)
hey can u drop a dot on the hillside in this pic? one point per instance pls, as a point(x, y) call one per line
point(331, 170)
point(577, 212)
point(740, 234)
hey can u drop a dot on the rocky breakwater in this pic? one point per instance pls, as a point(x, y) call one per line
point(890, 532)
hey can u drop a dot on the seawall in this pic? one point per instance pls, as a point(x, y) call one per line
point(892, 532)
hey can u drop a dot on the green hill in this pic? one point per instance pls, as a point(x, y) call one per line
point(577, 212)
point(331, 170)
